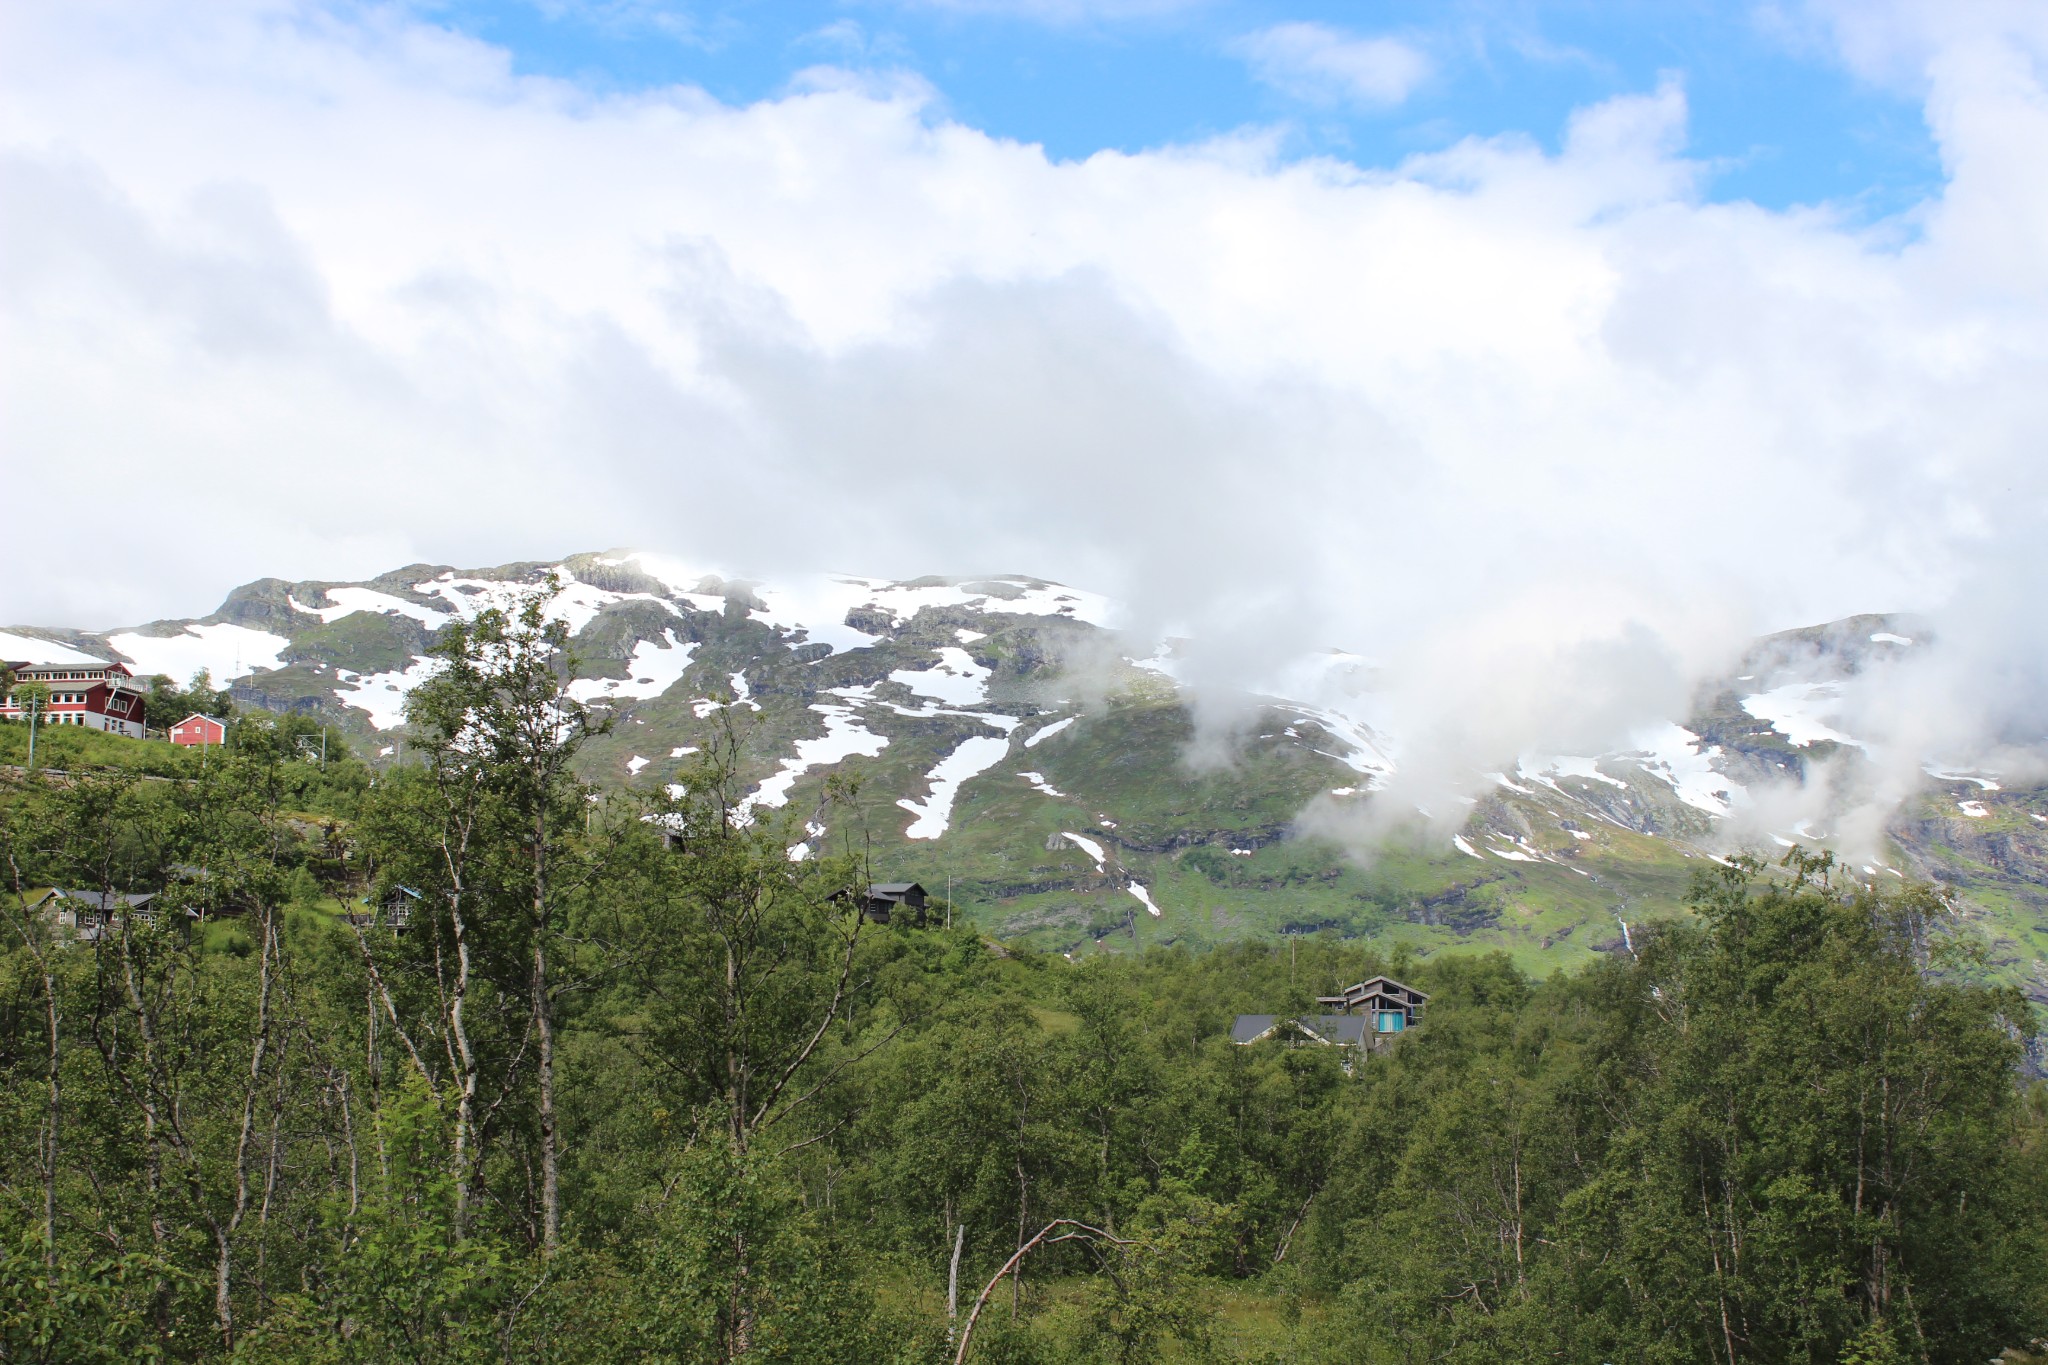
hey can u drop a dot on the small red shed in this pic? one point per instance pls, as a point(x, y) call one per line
point(198, 729)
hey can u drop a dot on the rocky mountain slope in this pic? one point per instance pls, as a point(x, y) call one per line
point(1012, 746)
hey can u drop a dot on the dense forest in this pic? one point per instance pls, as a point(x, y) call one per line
point(469, 1061)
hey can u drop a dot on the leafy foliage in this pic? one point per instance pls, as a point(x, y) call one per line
point(627, 1082)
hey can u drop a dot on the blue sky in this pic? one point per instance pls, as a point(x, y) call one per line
point(1779, 119)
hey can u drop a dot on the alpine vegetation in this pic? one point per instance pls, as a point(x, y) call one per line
point(473, 1057)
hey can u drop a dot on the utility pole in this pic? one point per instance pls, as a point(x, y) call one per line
point(34, 710)
point(949, 925)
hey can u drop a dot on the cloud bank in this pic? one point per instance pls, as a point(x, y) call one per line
point(315, 291)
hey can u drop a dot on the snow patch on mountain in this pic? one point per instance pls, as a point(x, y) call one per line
point(1038, 783)
point(27, 649)
point(1048, 732)
point(656, 666)
point(974, 757)
point(576, 602)
point(1087, 845)
point(1547, 768)
point(1369, 752)
point(817, 608)
point(1674, 753)
point(225, 650)
point(347, 601)
point(382, 695)
point(844, 737)
point(1801, 712)
point(955, 678)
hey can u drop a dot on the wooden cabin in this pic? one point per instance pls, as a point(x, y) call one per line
point(887, 898)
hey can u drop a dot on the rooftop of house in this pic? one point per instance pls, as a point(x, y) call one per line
point(100, 900)
point(1249, 1028)
point(1379, 986)
point(89, 668)
point(1337, 1030)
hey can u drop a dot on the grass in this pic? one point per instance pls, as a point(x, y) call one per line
point(65, 747)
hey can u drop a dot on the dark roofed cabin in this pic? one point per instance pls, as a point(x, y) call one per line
point(92, 914)
point(1330, 1030)
point(886, 898)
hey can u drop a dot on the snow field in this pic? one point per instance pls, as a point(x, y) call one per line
point(656, 666)
point(347, 601)
point(1086, 845)
point(955, 678)
point(1674, 753)
point(27, 649)
point(1800, 712)
point(577, 603)
point(844, 737)
point(382, 695)
point(1547, 768)
point(974, 757)
point(1048, 732)
point(226, 651)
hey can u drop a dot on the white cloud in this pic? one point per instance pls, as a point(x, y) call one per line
point(314, 294)
point(1328, 66)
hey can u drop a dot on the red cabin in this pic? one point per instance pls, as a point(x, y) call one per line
point(99, 696)
point(198, 729)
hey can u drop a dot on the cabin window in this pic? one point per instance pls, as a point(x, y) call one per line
point(1389, 1021)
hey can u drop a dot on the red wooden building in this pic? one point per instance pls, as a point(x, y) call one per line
point(198, 729)
point(100, 696)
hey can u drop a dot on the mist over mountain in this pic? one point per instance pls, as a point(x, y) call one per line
point(1068, 773)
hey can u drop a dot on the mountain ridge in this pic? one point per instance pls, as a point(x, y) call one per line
point(1009, 739)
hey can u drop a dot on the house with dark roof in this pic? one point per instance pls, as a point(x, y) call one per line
point(1371, 1014)
point(93, 914)
point(887, 898)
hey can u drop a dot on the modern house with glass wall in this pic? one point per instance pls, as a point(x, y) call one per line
point(1370, 1014)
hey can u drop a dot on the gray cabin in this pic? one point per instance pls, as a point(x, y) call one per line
point(93, 914)
point(1370, 1014)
